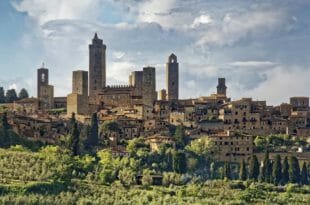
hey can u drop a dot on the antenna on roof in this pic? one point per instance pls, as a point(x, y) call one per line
point(43, 65)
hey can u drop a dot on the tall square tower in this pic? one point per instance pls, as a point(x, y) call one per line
point(172, 77)
point(80, 82)
point(97, 66)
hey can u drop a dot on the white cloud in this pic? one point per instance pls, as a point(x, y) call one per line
point(13, 86)
point(44, 11)
point(282, 84)
point(254, 64)
point(203, 19)
point(237, 26)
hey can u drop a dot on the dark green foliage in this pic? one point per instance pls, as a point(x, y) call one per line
point(304, 174)
point(254, 168)
point(72, 120)
point(277, 170)
point(285, 174)
point(294, 170)
point(74, 140)
point(4, 122)
point(11, 96)
point(2, 95)
point(8, 138)
point(243, 171)
point(265, 173)
point(180, 137)
point(109, 126)
point(93, 135)
point(227, 171)
point(23, 94)
point(179, 162)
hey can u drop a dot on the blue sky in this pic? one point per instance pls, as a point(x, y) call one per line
point(262, 47)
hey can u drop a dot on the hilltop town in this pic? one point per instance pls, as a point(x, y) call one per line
point(101, 139)
point(139, 110)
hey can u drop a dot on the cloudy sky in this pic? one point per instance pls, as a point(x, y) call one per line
point(262, 47)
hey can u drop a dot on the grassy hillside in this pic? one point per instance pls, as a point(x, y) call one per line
point(51, 176)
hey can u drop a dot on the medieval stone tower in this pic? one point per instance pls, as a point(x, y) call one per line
point(77, 101)
point(221, 87)
point(149, 94)
point(42, 79)
point(172, 77)
point(97, 66)
point(80, 82)
point(149, 86)
point(45, 91)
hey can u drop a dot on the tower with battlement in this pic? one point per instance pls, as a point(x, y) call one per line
point(97, 66)
point(172, 78)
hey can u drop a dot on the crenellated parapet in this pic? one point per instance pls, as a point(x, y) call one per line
point(119, 86)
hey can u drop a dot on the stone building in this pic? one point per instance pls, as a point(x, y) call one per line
point(77, 101)
point(45, 92)
point(300, 103)
point(232, 146)
point(26, 106)
point(172, 77)
point(97, 66)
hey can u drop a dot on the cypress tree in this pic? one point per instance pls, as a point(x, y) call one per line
point(243, 171)
point(179, 162)
point(180, 137)
point(294, 170)
point(2, 95)
point(269, 172)
point(93, 135)
point(265, 177)
point(285, 175)
point(74, 140)
point(304, 174)
point(277, 170)
point(254, 168)
point(4, 121)
point(227, 171)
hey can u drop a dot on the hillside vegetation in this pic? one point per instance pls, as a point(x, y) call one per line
point(52, 176)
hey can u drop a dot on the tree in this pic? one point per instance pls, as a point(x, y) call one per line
point(147, 179)
point(2, 96)
point(285, 174)
point(11, 96)
point(254, 168)
point(4, 121)
point(202, 147)
point(74, 140)
point(243, 171)
point(179, 162)
point(227, 171)
point(294, 170)
point(72, 119)
point(277, 170)
point(127, 177)
point(23, 94)
point(304, 174)
point(93, 135)
point(180, 138)
point(265, 173)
